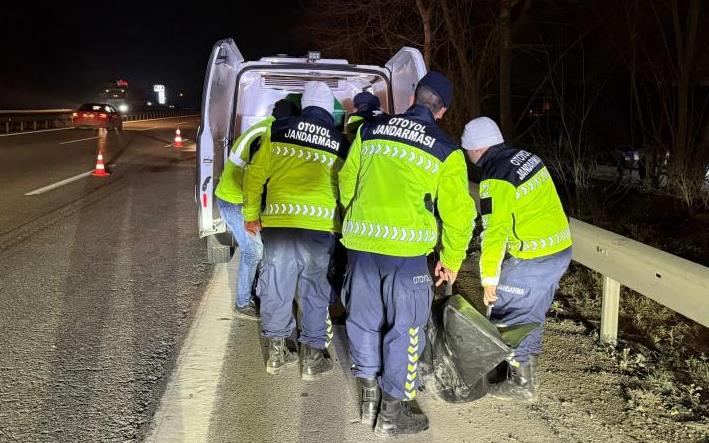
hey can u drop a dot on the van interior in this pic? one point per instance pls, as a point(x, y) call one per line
point(258, 89)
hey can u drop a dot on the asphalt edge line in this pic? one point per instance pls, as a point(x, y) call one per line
point(186, 406)
point(60, 183)
point(18, 234)
point(79, 140)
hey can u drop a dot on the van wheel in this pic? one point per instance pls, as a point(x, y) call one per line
point(220, 248)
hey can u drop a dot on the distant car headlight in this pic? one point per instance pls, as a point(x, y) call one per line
point(123, 108)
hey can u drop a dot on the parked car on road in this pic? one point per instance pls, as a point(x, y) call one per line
point(97, 115)
point(239, 93)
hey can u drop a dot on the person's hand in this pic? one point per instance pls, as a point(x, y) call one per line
point(490, 295)
point(252, 227)
point(444, 274)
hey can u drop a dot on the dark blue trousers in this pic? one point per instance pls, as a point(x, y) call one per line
point(524, 295)
point(296, 260)
point(388, 301)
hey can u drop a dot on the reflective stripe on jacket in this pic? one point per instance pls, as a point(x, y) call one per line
point(298, 163)
point(229, 188)
point(521, 211)
point(399, 169)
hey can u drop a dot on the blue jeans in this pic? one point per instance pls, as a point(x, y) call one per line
point(296, 261)
point(525, 293)
point(251, 250)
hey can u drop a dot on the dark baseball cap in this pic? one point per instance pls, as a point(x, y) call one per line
point(366, 99)
point(439, 84)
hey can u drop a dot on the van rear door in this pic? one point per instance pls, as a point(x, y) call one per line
point(406, 68)
point(216, 130)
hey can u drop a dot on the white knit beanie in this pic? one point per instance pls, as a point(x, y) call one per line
point(480, 133)
point(318, 94)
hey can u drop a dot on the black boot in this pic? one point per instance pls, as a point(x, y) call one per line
point(396, 417)
point(521, 383)
point(279, 356)
point(370, 400)
point(314, 362)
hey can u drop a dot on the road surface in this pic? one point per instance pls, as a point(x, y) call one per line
point(99, 279)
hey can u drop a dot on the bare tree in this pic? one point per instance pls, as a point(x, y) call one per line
point(685, 174)
point(425, 13)
point(505, 66)
point(566, 139)
point(457, 37)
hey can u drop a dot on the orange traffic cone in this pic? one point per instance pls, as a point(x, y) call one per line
point(100, 167)
point(178, 139)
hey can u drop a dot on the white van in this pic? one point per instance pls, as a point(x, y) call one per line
point(239, 93)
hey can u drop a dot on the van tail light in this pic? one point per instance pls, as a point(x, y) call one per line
point(102, 115)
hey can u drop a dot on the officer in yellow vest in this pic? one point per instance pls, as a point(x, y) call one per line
point(523, 218)
point(297, 163)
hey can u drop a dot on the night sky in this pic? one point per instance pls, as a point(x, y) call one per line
point(61, 54)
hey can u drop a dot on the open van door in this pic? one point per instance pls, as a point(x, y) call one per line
point(406, 68)
point(215, 133)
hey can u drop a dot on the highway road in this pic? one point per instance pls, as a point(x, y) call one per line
point(31, 161)
point(99, 279)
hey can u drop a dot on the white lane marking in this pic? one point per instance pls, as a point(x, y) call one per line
point(60, 183)
point(33, 132)
point(191, 395)
point(183, 140)
point(79, 140)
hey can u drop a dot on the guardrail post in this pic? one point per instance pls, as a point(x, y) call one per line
point(609, 311)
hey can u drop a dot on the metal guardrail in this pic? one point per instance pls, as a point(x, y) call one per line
point(674, 282)
point(32, 120)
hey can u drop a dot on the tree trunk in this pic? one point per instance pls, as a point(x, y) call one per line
point(685, 55)
point(684, 174)
point(475, 95)
point(505, 68)
point(425, 14)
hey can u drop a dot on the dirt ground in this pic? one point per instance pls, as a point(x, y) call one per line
point(585, 394)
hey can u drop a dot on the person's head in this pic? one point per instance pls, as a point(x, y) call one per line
point(285, 108)
point(318, 94)
point(435, 92)
point(366, 101)
point(479, 134)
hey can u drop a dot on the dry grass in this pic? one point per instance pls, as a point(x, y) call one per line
point(662, 352)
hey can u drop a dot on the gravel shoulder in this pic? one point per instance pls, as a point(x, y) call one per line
point(582, 394)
